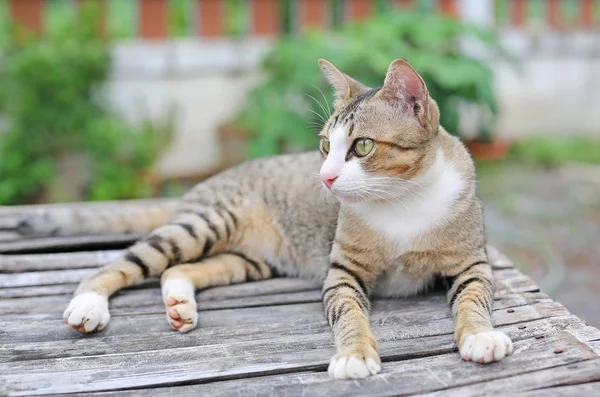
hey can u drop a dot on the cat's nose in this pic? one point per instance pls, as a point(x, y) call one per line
point(328, 180)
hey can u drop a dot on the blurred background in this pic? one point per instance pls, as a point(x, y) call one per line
point(125, 99)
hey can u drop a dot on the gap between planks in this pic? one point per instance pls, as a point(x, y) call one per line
point(428, 373)
point(506, 383)
point(61, 341)
point(149, 299)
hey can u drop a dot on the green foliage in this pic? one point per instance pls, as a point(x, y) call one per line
point(50, 97)
point(555, 151)
point(181, 18)
point(279, 114)
point(122, 18)
point(235, 17)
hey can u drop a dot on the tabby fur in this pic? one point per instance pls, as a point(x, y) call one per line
point(389, 224)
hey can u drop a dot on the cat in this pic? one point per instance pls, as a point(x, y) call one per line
point(395, 208)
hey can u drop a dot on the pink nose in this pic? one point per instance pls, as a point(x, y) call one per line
point(328, 180)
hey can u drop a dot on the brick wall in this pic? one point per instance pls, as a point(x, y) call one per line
point(162, 19)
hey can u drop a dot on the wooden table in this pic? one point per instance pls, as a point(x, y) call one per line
point(262, 338)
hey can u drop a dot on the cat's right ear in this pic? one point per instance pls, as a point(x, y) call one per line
point(345, 87)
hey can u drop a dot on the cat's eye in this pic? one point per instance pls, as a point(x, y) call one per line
point(325, 145)
point(363, 146)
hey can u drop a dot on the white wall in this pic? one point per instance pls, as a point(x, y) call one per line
point(556, 92)
point(206, 81)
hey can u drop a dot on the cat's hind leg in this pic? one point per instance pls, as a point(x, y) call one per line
point(190, 235)
point(180, 282)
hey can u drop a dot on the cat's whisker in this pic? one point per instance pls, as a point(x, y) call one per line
point(316, 129)
point(318, 103)
point(413, 194)
point(388, 200)
point(391, 189)
point(316, 124)
point(325, 99)
point(320, 116)
point(373, 194)
point(395, 180)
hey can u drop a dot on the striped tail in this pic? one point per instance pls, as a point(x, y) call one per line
point(95, 218)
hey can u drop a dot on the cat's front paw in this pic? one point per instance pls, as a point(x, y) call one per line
point(355, 363)
point(87, 312)
point(180, 305)
point(486, 347)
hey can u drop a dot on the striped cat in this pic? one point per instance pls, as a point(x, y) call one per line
point(396, 208)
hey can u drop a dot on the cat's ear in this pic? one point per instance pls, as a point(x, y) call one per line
point(345, 87)
point(404, 87)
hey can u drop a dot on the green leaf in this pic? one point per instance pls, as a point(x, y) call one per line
point(57, 112)
point(277, 119)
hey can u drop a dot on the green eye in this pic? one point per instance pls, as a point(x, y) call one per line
point(325, 145)
point(363, 146)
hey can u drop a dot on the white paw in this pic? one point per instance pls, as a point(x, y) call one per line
point(354, 366)
point(180, 304)
point(87, 312)
point(486, 347)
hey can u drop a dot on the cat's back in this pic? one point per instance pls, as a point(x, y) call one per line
point(290, 186)
point(275, 179)
point(289, 195)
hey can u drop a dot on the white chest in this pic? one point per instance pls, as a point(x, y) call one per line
point(418, 210)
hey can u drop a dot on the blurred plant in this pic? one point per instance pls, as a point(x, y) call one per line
point(50, 85)
point(181, 17)
point(235, 17)
point(279, 113)
point(121, 158)
point(556, 151)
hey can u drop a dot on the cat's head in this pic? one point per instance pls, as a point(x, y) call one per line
point(377, 140)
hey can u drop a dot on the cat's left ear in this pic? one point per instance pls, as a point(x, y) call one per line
point(345, 87)
point(404, 87)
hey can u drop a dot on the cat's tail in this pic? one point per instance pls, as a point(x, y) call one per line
point(95, 218)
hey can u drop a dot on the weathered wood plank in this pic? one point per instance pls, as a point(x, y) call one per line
point(149, 300)
point(222, 362)
point(513, 281)
point(586, 389)
point(595, 345)
point(58, 261)
point(50, 277)
point(409, 315)
point(57, 244)
point(25, 285)
point(38, 290)
point(147, 296)
point(36, 284)
point(383, 322)
point(259, 329)
point(401, 324)
point(413, 376)
point(44, 328)
point(543, 380)
point(588, 334)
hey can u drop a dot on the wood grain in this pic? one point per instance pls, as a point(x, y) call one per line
point(538, 383)
point(262, 338)
point(54, 244)
point(226, 361)
point(410, 316)
point(57, 261)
